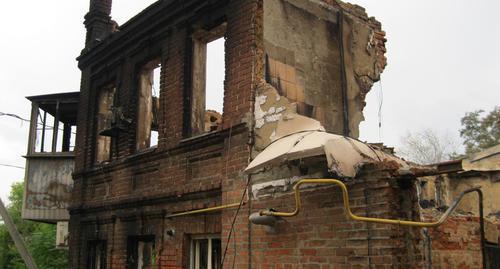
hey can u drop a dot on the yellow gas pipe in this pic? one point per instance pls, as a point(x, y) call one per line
point(204, 210)
point(345, 196)
point(347, 208)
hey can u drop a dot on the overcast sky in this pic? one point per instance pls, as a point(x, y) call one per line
point(443, 60)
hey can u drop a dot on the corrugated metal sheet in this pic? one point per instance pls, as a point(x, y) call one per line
point(48, 188)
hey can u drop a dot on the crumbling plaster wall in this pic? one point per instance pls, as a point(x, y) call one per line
point(304, 65)
point(456, 243)
point(438, 192)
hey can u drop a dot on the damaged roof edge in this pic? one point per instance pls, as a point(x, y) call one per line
point(345, 155)
point(486, 160)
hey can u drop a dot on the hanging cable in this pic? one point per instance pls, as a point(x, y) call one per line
point(233, 222)
point(14, 116)
point(239, 206)
point(13, 166)
point(380, 103)
point(26, 120)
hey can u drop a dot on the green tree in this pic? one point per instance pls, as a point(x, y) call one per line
point(480, 132)
point(39, 237)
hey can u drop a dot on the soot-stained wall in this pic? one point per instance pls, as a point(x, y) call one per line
point(304, 59)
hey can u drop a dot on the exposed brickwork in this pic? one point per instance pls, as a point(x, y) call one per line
point(457, 244)
point(133, 193)
point(322, 237)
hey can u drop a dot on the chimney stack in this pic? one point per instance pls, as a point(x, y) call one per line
point(98, 21)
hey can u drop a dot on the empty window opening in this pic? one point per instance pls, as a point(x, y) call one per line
point(141, 252)
point(208, 73)
point(44, 132)
point(96, 257)
point(205, 252)
point(104, 122)
point(216, 71)
point(148, 105)
point(55, 127)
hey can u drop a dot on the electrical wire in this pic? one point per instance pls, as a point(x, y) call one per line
point(380, 103)
point(26, 120)
point(237, 210)
point(14, 116)
point(12, 166)
point(233, 223)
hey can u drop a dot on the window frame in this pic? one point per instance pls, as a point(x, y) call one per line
point(110, 140)
point(194, 250)
point(133, 248)
point(145, 74)
point(92, 248)
point(196, 88)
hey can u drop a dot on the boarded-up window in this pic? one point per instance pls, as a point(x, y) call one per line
point(148, 105)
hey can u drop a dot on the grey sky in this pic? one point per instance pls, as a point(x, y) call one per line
point(443, 60)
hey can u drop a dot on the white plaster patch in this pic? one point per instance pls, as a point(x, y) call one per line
point(276, 186)
point(262, 117)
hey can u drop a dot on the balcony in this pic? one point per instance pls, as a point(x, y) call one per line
point(50, 157)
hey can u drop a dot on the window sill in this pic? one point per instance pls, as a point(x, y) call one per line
point(68, 154)
point(200, 136)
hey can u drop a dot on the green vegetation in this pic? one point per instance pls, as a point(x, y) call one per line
point(480, 133)
point(39, 237)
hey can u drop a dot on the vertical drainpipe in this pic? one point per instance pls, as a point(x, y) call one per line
point(427, 249)
point(112, 251)
point(251, 135)
point(343, 78)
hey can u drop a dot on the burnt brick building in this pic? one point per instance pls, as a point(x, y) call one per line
point(161, 181)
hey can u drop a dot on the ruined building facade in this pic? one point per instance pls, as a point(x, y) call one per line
point(147, 148)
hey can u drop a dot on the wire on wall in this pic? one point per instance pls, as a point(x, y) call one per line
point(380, 104)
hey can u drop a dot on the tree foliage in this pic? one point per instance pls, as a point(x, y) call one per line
point(39, 237)
point(426, 147)
point(480, 132)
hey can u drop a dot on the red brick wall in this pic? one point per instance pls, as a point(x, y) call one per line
point(321, 236)
point(134, 192)
point(456, 243)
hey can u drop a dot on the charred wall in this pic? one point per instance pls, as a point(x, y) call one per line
point(323, 59)
point(275, 67)
point(129, 195)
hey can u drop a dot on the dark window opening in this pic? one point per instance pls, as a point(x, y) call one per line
point(208, 73)
point(205, 252)
point(141, 253)
point(148, 105)
point(96, 258)
point(492, 255)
